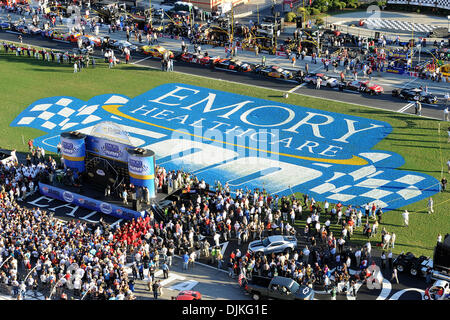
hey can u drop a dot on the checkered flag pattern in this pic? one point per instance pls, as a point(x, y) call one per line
point(369, 185)
point(442, 4)
point(65, 113)
point(377, 23)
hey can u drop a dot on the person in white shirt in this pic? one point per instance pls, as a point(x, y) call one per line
point(216, 239)
point(446, 112)
point(393, 236)
point(387, 241)
point(430, 206)
point(406, 217)
point(439, 238)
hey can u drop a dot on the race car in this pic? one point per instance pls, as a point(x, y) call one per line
point(28, 29)
point(410, 263)
point(122, 44)
point(195, 58)
point(274, 72)
point(362, 86)
point(188, 295)
point(156, 51)
point(415, 94)
point(56, 35)
point(232, 64)
point(4, 25)
point(92, 40)
point(440, 290)
point(327, 81)
point(273, 244)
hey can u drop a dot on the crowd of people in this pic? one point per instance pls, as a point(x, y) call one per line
point(41, 253)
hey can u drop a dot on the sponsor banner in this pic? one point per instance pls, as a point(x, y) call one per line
point(88, 203)
point(107, 148)
point(247, 142)
point(396, 70)
point(142, 172)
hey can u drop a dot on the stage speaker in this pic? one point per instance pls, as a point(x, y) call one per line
point(165, 188)
point(134, 204)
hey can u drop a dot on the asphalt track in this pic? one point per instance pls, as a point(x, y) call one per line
point(382, 102)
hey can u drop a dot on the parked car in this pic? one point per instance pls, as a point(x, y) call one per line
point(327, 81)
point(440, 290)
point(232, 64)
point(27, 29)
point(273, 72)
point(273, 244)
point(410, 263)
point(416, 94)
point(156, 51)
point(362, 86)
point(196, 58)
point(280, 288)
point(4, 25)
point(188, 295)
point(122, 44)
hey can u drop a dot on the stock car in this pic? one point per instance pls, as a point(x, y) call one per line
point(122, 44)
point(273, 72)
point(311, 78)
point(415, 94)
point(188, 295)
point(408, 262)
point(28, 29)
point(156, 51)
point(195, 58)
point(232, 64)
point(440, 290)
point(4, 25)
point(92, 40)
point(273, 244)
point(362, 86)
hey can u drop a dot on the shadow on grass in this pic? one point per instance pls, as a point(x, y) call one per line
point(418, 146)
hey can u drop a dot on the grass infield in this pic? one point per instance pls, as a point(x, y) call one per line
point(24, 80)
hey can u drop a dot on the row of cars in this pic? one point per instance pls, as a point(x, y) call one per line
point(362, 86)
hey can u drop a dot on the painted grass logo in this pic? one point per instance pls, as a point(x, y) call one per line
point(247, 142)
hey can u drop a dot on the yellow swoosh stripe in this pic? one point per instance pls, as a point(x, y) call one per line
point(143, 177)
point(73, 158)
point(354, 160)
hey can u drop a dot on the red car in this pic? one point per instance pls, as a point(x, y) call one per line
point(362, 86)
point(188, 295)
point(196, 58)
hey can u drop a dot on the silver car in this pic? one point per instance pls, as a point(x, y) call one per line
point(273, 244)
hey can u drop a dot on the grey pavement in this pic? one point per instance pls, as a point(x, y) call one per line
point(212, 283)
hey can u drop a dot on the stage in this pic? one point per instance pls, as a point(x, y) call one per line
point(90, 197)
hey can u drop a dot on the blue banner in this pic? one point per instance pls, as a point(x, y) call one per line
point(88, 203)
point(107, 148)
